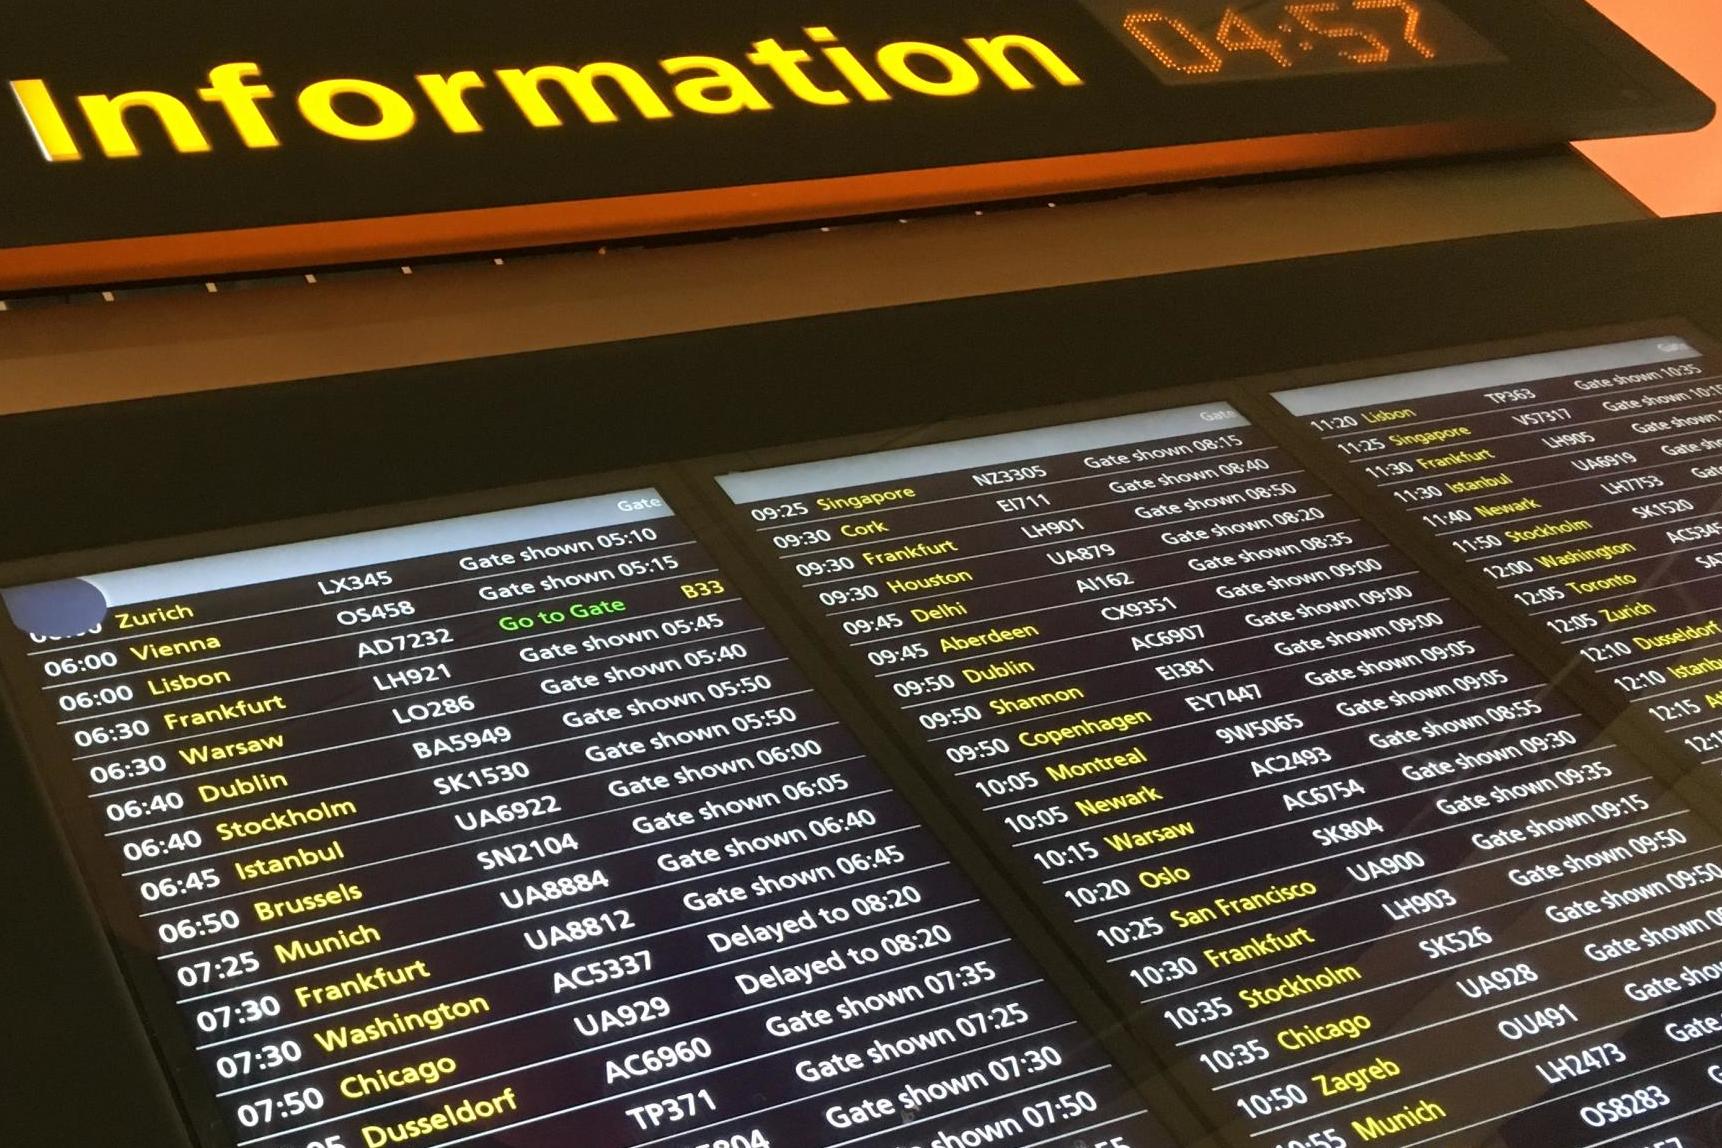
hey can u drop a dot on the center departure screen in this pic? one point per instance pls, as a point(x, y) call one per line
point(1582, 483)
point(1365, 877)
point(518, 830)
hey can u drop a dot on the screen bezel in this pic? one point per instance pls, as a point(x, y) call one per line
point(667, 398)
point(951, 813)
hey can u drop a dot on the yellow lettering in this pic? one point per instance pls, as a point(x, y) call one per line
point(822, 71)
point(46, 122)
point(993, 51)
point(238, 99)
point(725, 91)
point(848, 66)
point(447, 95)
point(395, 117)
point(581, 86)
point(960, 77)
point(786, 63)
point(106, 115)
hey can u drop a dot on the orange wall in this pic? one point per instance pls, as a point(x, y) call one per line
point(1682, 174)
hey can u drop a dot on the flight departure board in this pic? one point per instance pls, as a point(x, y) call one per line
point(518, 829)
point(1364, 876)
point(1584, 484)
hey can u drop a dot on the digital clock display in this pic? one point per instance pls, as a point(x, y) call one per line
point(1201, 41)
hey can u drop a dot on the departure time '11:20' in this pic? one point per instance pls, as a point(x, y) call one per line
point(1192, 41)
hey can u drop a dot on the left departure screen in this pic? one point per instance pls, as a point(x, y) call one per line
point(519, 829)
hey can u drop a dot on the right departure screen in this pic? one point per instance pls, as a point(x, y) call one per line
point(1367, 877)
point(1583, 483)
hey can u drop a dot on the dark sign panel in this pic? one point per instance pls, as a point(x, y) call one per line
point(335, 131)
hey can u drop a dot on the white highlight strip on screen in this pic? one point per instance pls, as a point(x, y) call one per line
point(375, 547)
point(969, 454)
point(1408, 385)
